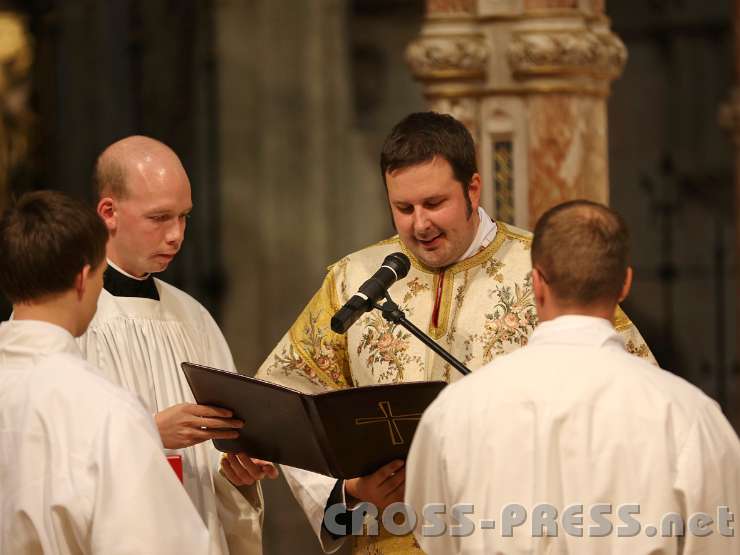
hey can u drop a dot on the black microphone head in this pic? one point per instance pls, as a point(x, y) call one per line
point(399, 262)
point(343, 318)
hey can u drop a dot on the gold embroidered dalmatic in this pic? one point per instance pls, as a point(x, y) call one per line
point(477, 309)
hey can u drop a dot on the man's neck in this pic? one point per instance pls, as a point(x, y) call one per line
point(476, 222)
point(482, 235)
point(603, 311)
point(57, 312)
point(113, 263)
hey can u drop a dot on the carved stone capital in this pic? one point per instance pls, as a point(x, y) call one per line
point(441, 57)
point(576, 51)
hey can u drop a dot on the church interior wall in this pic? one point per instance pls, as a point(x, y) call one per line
point(278, 110)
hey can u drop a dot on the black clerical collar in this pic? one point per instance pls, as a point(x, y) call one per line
point(121, 285)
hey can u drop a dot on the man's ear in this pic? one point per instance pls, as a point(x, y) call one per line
point(538, 285)
point(107, 211)
point(627, 284)
point(474, 191)
point(81, 281)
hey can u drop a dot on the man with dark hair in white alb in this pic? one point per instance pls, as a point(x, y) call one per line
point(574, 420)
point(81, 462)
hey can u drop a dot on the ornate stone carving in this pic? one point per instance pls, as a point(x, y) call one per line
point(466, 110)
point(533, 53)
point(450, 6)
point(439, 57)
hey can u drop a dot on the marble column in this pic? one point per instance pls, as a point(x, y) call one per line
point(530, 78)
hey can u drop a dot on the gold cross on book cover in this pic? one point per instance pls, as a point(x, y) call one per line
point(391, 420)
point(344, 433)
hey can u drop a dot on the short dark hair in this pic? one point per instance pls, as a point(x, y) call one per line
point(46, 239)
point(422, 136)
point(581, 248)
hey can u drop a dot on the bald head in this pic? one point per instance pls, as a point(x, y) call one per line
point(580, 249)
point(118, 166)
point(144, 199)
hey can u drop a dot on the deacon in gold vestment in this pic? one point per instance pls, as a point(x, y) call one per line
point(469, 288)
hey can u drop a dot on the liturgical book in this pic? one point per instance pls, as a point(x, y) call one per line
point(344, 433)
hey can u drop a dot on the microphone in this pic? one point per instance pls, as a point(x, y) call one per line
point(395, 266)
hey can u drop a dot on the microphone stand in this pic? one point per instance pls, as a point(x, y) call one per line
point(392, 313)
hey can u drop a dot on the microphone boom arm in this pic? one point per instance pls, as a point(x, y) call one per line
point(392, 313)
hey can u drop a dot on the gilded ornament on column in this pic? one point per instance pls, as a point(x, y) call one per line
point(15, 116)
point(503, 180)
point(444, 57)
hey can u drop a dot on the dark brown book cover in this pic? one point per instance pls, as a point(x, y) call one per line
point(344, 433)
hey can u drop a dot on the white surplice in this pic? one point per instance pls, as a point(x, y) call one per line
point(572, 418)
point(139, 344)
point(81, 464)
